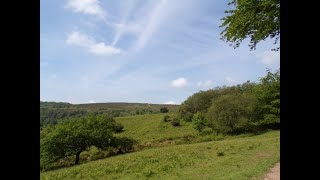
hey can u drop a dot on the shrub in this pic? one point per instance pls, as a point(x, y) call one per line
point(175, 122)
point(232, 113)
point(164, 110)
point(118, 127)
point(166, 118)
point(198, 121)
point(124, 144)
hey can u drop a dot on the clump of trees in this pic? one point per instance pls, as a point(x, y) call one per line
point(51, 112)
point(231, 113)
point(76, 135)
point(247, 107)
point(164, 110)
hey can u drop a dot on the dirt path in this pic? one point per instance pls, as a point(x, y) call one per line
point(274, 173)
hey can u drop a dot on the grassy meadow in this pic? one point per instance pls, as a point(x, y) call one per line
point(247, 157)
point(168, 152)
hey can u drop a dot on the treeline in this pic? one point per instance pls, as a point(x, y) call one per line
point(53, 112)
point(247, 107)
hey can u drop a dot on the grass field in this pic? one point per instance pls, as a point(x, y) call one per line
point(247, 157)
point(151, 128)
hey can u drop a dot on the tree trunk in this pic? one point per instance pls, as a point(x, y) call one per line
point(77, 158)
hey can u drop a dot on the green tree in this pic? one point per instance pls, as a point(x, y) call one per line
point(256, 19)
point(231, 113)
point(268, 95)
point(123, 144)
point(198, 102)
point(198, 121)
point(202, 100)
point(73, 136)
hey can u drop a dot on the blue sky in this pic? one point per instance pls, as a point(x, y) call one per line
point(150, 51)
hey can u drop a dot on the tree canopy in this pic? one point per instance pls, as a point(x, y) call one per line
point(231, 113)
point(235, 109)
point(73, 136)
point(254, 19)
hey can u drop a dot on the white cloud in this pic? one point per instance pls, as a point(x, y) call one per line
point(180, 82)
point(92, 101)
point(269, 57)
point(205, 83)
point(103, 49)
point(170, 102)
point(97, 48)
point(230, 80)
point(91, 7)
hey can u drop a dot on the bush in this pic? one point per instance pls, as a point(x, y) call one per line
point(175, 122)
point(202, 100)
point(124, 144)
point(166, 118)
point(231, 113)
point(118, 127)
point(164, 110)
point(198, 121)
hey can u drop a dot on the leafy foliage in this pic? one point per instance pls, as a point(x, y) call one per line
point(268, 95)
point(118, 127)
point(175, 122)
point(166, 118)
point(256, 19)
point(244, 107)
point(231, 113)
point(198, 121)
point(198, 102)
point(202, 100)
point(164, 110)
point(124, 144)
point(73, 136)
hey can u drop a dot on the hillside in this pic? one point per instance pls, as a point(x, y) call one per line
point(109, 106)
point(237, 158)
point(51, 112)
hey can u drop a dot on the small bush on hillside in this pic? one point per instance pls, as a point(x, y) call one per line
point(186, 116)
point(118, 127)
point(124, 144)
point(166, 118)
point(198, 121)
point(175, 122)
point(164, 110)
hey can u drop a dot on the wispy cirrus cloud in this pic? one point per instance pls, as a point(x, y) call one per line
point(156, 17)
point(98, 48)
point(90, 7)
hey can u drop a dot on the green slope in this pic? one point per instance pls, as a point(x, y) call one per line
point(244, 158)
point(150, 128)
